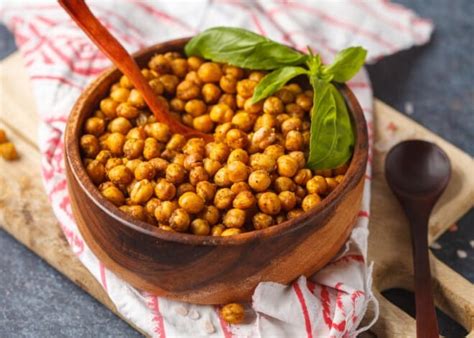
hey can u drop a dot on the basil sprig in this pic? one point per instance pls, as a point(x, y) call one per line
point(332, 136)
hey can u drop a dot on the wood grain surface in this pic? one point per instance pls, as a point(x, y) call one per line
point(25, 212)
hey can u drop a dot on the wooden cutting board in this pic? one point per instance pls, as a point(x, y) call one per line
point(25, 212)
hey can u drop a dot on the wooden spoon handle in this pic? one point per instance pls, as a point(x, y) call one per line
point(84, 18)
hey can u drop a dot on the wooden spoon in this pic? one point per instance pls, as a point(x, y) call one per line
point(418, 173)
point(102, 38)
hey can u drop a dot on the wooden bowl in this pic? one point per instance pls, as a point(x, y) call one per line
point(206, 269)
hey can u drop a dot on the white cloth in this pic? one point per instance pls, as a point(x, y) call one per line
point(61, 61)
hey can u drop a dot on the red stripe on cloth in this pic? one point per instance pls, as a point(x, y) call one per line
point(154, 306)
point(56, 78)
point(224, 325)
point(363, 213)
point(103, 279)
point(257, 24)
point(358, 84)
point(304, 309)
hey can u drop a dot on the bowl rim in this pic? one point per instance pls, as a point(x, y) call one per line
point(72, 134)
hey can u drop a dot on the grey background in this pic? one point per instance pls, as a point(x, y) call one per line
point(436, 79)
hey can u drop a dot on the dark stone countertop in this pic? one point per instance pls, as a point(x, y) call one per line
point(437, 80)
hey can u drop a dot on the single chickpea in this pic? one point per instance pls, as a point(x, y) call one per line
point(191, 202)
point(285, 95)
point(238, 155)
point(221, 178)
point(246, 87)
point(180, 220)
point(273, 106)
point(233, 313)
point(237, 171)
point(244, 121)
point(210, 214)
point(262, 221)
point(221, 113)
point(192, 160)
point(193, 77)
point(223, 198)
point(136, 99)
point(293, 123)
point(218, 229)
point(295, 111)
point(165, 190)
point(137, 133)
point(240, 101)
point(341, 170)
point(256, 75)
point(187, 119)
point(103, 156)
point(284, 184)
point(120, 94)
point(177, 105)
point(126, 110)
point(114, 195)
point(265, 120)
point(194, 145)
point(300, 192)
point(331, 183)
point(299, 157)
point(194, 62)
point(228, 83)
point(188, 90)
point(234, 71)
point(229, 100)
point(206, 190)
point(170, 83)
point(109, 107)
point(119, 125)
point(157, 86)
point(231, 232)
point(282, 118)
point(259, 180)
point(294, 140)
point(304, 101)
point(294, 88)
point(179, 67)
point(203, 123)
point(234, 218)
point(253, 108)
point(159, 131)
point(236, 139)
point(133, 164)
point(287, 166)
point(176, 142)
point(120, 175)
point(244, 200)
point(89, 145)
point(217, 151)
point(125, 82)
point(195, 107)
point(211, 166)
point(317, 185)
point(198, 174)
point(200, 227)
point(239, 187)
point(211, 93)
point(287, 200)
point(339, 178)
point(221, 131)
point(135, 211)
point(160, 165)
point(263, 162)
point(164, 211)
point(115, 143)
point(151, 206)
point(94, 126)
point(151, 149)
point(269, 203)
point(302, 176)
point(112, 163)
point(310, 201)
point(184, 187)
point(210, 72)
point(160, 64)
point(133, 148)
point(275, 151)
point(175, 173)
point(264, 137)
point(141, 192)
point(96, 171)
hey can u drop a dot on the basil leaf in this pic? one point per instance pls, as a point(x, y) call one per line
point(332, 137)
point(242, 48)
point(346, 64)
point(274, 81)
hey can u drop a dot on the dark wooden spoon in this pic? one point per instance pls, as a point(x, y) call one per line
point(102, 38)
point(418, 172)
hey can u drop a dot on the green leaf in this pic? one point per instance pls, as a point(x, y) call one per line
point(275, 80)
point(242, 48)
point(346, 64)
point(332, 137)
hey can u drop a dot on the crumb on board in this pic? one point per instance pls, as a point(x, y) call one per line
point(453, 228)
point(194, 315)
point(409, 109)
point(209, 327)
point(435, 246)
point(181, 310)
point(471, 243)
point(461, 253)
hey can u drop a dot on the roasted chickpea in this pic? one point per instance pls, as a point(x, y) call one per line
point(287, 200)
point(200, 227)
point(234, 218)
point(170, 83)
point(221, 113)
point(133, 148)
point(206, 190)
point(203, 123)
point(237, 171)
point(217, 151)
point(262, 161)
point(265, 120)
point(295, 111)
point(285, 95)
point(310, 201)
point(287, 166)
point(192, 160)
point(191, 202)
point(294, 140)
point(103, 156)
point(151, 149)
point(90, 145)
point(223, 198)
point(238, 155)
point(221, 131)
point(96, 171)
point(125, 82)
point(211, 93)
point(246, 87)
point(244, 121)
point(231, 232)
point(273, 106)
point(210, 214)
point(175, 173)
point(184, 187)
point(339, 178)
point(188, 90)
point(180, 220)
point(114, 195)
point(194, 62)
point(291, 124)
point(164, 211)
point(264, 137)
point(165, 190)
point(160, 64)
point(299, 157)
point(284, 184)
point(236, 139)
point(221, 178)
point(198, 174)
point(160, 165)
point(229, 100)
point(233, 313)
point(136, 99)
point(228, 83)
point(176, 142)
point(234, 71)
point(159, 131)
point(240, 101)
point(211, 166)
point(119, 125)
point(218, 229)
point(141, 192)
point(210, 72)
point(135, 211)
point(275, 151)
point(244, 200)
point(109, 107)
point(239, 187)
point(294, 88)
point(331, 184)
point(294, 213)
point(302, 176)
point(137, 133)
point(133, 164)
point(151, 205)
point(195, 145)
point(120, 94)
point(179, 67)
point(193, 77)
point(269, 203)
point(304, 102)
point(120, 175)
point(94, 126)
point(112, 163)
point(317, 185)
point(259, 180)
point(262, 221)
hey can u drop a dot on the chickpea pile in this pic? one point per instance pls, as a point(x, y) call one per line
point(251, 177)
